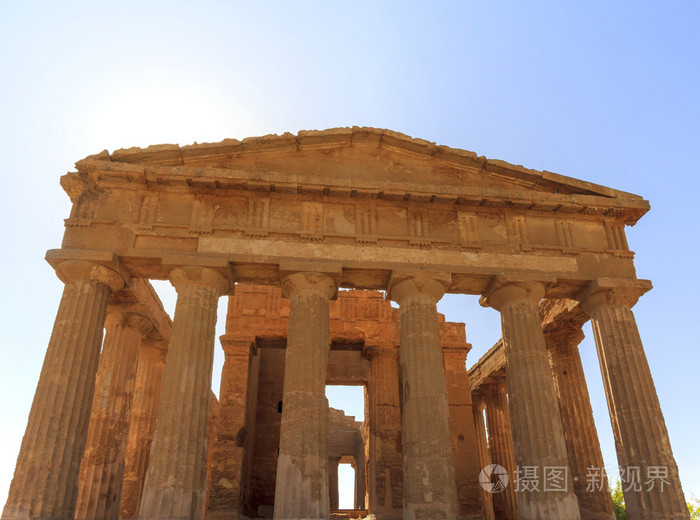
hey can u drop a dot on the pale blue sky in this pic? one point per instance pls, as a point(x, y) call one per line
point(601, 91)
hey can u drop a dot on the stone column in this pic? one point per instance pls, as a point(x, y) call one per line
point(45, 483)
point(466, 457)
point(102, 467)
point(142, 423)
point(429, 490)
point(301, 489)
point(333, 463)
point(175, 485)
point(641, 438)
point(505, 503)
point(229, 456)
point(583, 448)
point(538, 436)
point(360, 480)
point(385, 476)
point(482, 448)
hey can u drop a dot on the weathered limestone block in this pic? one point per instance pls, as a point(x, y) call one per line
point(583, 448)
point(175, 486)
point(505, 503)
point(466, 457)
point(230, 449)
point(360, 475)
point(538, 436)
point(301, 490)
point(641, 438)
point(385, 475)
point(482, 448)
point(428, 459)
point(213, 425)
point(142, 423)
point(333, 463)
point(102, 467)
point(45, 482)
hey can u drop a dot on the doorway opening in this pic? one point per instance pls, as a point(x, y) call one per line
point(346, 446)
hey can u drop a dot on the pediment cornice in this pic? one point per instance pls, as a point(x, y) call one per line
point(356, 162)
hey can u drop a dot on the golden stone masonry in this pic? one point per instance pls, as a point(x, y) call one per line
point(128, 427)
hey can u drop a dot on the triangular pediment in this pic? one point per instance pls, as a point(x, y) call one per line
point(366, 159)
point(360, 153)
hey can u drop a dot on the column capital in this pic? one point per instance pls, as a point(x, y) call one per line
point(406, 284)
point(80, 270)
point(153, 348)
point(375, 348)
point(478, 399)
point(495, 385)
point(504, 290)
point(127, 317)
point(563, 335)
point(74, 265)
point(319, 282)
point(238, 345)
point(612, 291)
point(181, 276)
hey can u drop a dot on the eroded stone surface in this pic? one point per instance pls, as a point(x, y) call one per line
point(381, 211)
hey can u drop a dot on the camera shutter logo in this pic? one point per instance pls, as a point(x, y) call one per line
point(487, 475)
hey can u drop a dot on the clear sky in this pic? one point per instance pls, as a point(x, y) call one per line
point(601, 91)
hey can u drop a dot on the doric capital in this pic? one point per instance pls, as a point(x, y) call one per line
point(310, 282)
point(238, 345)
point(117, 315)
point(375, 348)
point(407, 284)
point(77, 265)
point(612, 291)
point(503, 291)
point(563, 335)
point(495, 386)
point(478, 400)
point(153, 349)
point(189, 275)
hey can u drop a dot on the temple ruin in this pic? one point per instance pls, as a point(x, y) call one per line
point(312, 237)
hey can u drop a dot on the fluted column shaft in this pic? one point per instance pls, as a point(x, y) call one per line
point(428, 458)
point(229, 453)
point(142, 423)
point(482, 449)
point(102, 467)
point(45, 483)
point(466, 457)
point(175, 485)
point(538, 436)
point(385, 478)
point(583, 447)
point(505, 503)
point(333, 463)
point(301, 490)
point(641, 438)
